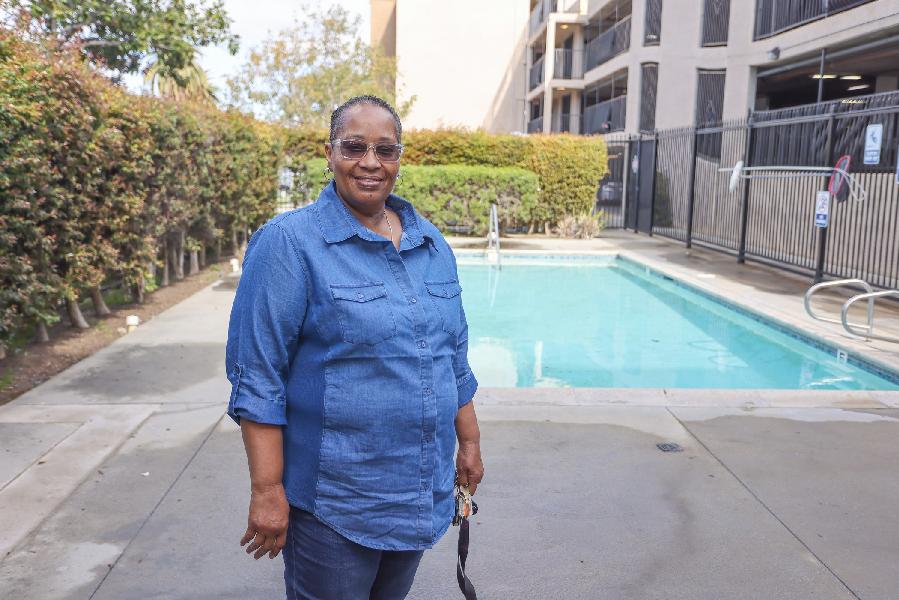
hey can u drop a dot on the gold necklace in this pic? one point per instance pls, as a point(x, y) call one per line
point(389, 228)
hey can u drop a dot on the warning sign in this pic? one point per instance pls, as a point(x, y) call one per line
point(822, 209)
point(873, 143)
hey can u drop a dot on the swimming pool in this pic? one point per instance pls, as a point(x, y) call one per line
point(610, 322)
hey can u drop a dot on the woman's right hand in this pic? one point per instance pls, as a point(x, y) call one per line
point(267, 521)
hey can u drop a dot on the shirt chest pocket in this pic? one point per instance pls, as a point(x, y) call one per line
point(446, 296)
point(364, 312)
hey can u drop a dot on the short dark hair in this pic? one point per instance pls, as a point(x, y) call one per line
point(339, 115)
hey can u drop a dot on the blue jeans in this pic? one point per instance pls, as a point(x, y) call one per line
point(321, 564)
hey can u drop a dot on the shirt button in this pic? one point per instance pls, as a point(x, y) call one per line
point(413, 300)
point(360, 296)
point(421, 344)
point(427, 391)
point(426, 486)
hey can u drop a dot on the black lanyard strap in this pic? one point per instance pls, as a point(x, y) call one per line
point(464, 582)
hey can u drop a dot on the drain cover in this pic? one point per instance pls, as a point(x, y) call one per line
point(669, 447)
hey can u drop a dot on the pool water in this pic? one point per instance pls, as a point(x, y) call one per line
point(608, 322)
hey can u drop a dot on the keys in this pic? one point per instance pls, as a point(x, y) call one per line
point(465, 506)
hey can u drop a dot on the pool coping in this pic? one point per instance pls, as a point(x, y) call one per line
point(856, 356)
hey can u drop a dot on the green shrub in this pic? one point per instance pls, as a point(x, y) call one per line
point(95, 182)
point(458, 197)
point(569, 167)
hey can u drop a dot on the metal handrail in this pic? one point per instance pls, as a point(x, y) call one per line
point(843, 317)
point(870, 297)
point(493, 236)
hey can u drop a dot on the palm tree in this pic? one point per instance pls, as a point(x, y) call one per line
point(188, 83)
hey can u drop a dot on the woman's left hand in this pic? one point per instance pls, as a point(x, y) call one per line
point(469, 467)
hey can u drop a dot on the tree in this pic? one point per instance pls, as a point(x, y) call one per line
point(122, 34)
point(302, 74)
point(188, 84)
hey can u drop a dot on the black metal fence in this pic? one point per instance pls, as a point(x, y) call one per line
point(672, 186)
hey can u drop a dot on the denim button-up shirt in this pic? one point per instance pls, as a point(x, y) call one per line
point(360, 352)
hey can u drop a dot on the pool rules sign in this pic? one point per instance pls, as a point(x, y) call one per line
point(822, 209)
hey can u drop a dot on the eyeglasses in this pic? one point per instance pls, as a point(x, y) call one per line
point(356, 150)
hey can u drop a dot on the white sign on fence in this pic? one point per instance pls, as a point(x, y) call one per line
point(873, 142)
point(822, 209)
point(897, 166)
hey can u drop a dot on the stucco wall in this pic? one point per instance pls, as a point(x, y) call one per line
point(464, 61)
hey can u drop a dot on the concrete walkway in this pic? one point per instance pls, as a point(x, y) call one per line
point(121, 478)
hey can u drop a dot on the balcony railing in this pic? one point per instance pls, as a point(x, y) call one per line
point(535, 125)
point(567, 123)
point(540, 12)
point(565, 67)
point(775, 16)
point(609, 44)
point(606, 116)
point(536, 75)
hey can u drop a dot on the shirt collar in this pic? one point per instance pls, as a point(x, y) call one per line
point(337, 223)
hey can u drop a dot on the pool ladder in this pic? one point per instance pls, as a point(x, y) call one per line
point(865, 330)
point(493, 255)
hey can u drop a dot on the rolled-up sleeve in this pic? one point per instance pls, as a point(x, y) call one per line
point(466, 383)
point(266, 320)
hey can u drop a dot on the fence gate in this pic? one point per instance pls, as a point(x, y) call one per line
point(645, 168)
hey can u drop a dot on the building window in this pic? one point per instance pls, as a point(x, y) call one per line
point(652, 30)
point(709, 111)
point(648, 87)
point(709, 98)
point(715, 18)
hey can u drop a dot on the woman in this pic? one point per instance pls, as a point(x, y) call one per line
point(347, 355)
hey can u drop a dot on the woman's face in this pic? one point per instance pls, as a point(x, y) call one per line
point(365, 181)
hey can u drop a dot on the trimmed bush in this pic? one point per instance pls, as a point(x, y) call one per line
point(458, 197)
point(569, 167)
point(100, 185)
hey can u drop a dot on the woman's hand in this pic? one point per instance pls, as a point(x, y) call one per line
point(267, 521)
point(269, 511)
point(469, 468)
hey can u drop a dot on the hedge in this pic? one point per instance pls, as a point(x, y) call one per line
point(569, 167)
point(458, 197)
point(100, 185)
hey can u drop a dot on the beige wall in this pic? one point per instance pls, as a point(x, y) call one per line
point(383, 25)
point(464, 62)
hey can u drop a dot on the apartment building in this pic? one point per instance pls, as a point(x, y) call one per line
point(602, 66)
point(463, 60)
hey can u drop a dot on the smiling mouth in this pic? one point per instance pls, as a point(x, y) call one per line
point(369, 180)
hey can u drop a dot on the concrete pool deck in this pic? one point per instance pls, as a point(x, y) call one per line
point(122, 479)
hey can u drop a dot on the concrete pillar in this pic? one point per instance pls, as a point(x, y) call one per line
point(528, 63)
point(632, 105)
point(575, 111)
point(549, 69)
point(577, 59)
